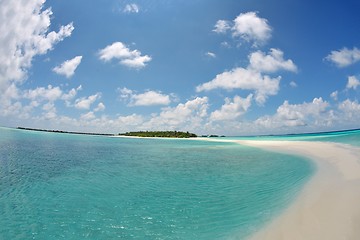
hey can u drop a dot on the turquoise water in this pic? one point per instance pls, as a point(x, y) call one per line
point(62, 186)
point(351, 137)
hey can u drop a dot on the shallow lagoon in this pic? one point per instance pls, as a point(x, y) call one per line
point(62, 186)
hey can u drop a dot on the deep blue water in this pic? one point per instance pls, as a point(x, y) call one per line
point(62, 186)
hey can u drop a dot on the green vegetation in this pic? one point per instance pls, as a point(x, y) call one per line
point(168, 134)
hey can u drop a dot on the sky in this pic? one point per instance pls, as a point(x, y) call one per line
point(229, 67)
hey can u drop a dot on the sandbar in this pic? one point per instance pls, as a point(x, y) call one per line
point(328, 207)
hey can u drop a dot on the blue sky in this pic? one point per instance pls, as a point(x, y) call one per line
point(210, 67)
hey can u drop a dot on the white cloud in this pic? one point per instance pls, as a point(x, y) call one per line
point(334, 95)
point(24, 34)
point(16, 100)
point(126, 57)
point(187, 116)
point(353, 83)
point(137, 62)
point(252, 77)
point(130, 120)
point(131, 8)
point(344, 57)
point(148, 98)
point(88, 116)
point(50, 94)
point(270, 63)
point(247, 26)
point(24, 27)
point(68, 67)
point(294, 115)
point(50, 110)
point(86, 102)
point(48, 106)
point(71, 94)
point(350, 110)
point(13, 109)
point(293, 84)
point(222, 26)
point(241, 78)
point(349, 114)
point(225, 44)
point(100, 107)
point(231, 110)
point(210, 54)
point(12, 92)
point(251, 28)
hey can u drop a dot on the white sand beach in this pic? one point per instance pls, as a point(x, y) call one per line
point(329, 205)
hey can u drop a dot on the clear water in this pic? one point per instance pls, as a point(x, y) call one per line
point(62, 186)
point(351, 137)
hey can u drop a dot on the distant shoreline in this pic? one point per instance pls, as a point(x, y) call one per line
point(198, 136)
point(140, 134)
point(68, 132)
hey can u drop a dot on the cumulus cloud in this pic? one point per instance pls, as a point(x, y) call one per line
point(133, 120)
point(88, 116)
point(350, 109)
point(247, 26)
point(71, 94)
point(50, 111)
point(100, 107)
point(148, 98)
point(252, 28)
point(126, 57)
point(252, 78)
point(90, 122)
point(222, 26)
point(68, 67)
point(334, 95)
point(344, 57)
point(44, 94)
point(21, 103)
point(86, 102)
point(271, 63)
point(241, 78)
point(348, 114)
point(185, 116)
point(12, 92)
point(353, 83)
point(294, 115)
point(231, 110)
point(131, 8)
point(188, 116)
point(24, 27)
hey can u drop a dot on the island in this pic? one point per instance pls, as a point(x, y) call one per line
point(68, 132)
point(165, 134)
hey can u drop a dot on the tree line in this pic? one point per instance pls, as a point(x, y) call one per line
point(168, 134)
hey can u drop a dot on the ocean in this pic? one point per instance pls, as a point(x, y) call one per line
point(350, 137)
point(64, 186)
